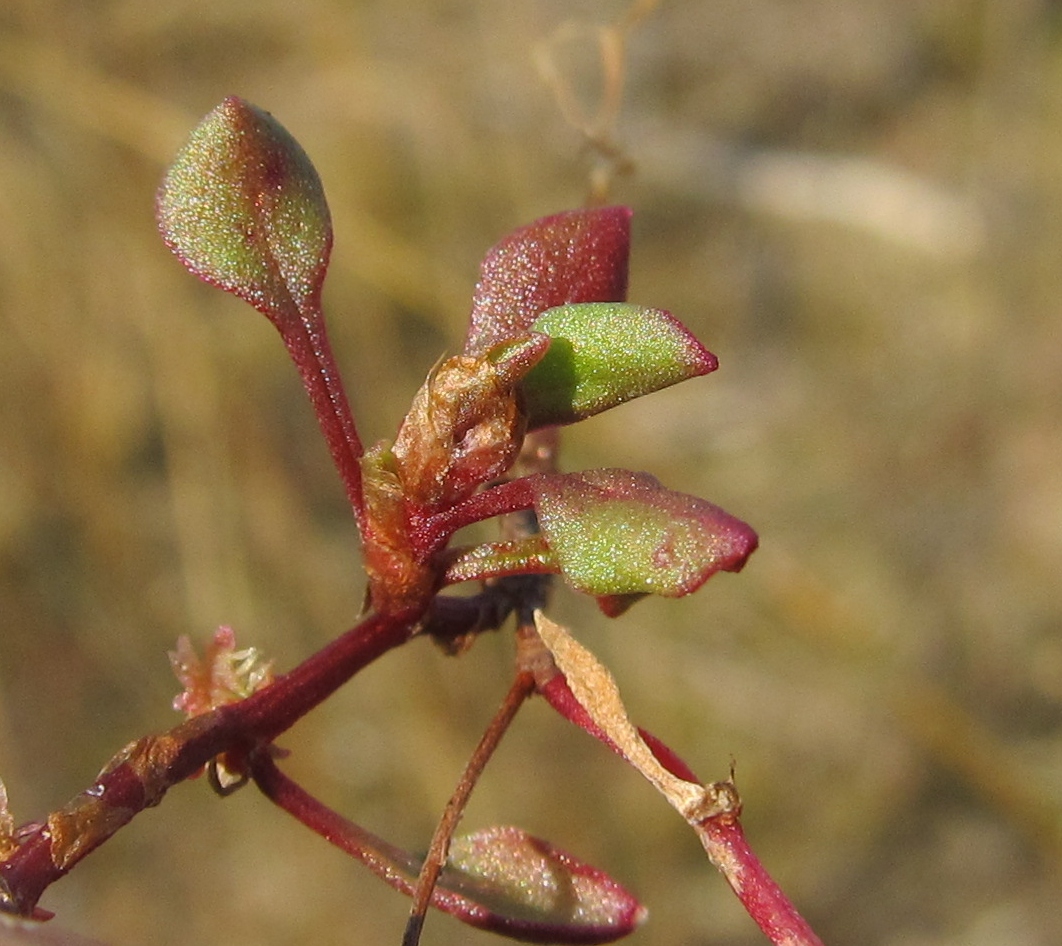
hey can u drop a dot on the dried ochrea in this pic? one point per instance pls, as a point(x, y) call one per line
point(551, 341)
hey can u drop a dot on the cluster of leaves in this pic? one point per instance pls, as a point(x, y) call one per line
point(551, 341)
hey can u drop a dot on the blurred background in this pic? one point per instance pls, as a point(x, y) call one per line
point(856, 204)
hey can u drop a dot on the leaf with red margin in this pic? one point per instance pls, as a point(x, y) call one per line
point(499, 879)
point(536, 892)
point(604, 354)
point(616, 532)
point(576, 256)
point(243, 208)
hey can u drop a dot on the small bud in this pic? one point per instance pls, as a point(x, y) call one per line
point(466, 424)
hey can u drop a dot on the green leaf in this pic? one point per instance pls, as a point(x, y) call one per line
point(603, 354)
point(530, 890)
point(615, 532)
point(527, 556)
point(243, 208)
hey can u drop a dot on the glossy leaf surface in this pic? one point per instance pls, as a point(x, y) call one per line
point(243, 208)
point(576, 256)
point(615, 532)
point(603, 354)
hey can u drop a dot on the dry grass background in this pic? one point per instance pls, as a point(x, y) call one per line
point(857, 205)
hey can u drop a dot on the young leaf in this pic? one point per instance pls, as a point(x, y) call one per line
point(576, 256)
point(530, 555)
point(243, 208)
point(603, 354)
point(615, 532)
point(541, 893)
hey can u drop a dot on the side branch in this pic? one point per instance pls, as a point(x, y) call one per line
point(141, 773)
point(720, 831)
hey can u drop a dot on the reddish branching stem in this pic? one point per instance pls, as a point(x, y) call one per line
point(139, 776)
point(476, 904)
point(507, 497)
point(375, 853)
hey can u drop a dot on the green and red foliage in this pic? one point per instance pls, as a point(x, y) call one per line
point(551, 341)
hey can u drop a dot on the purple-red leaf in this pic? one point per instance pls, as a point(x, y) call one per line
point(606, 353)
point(576, 256)
point(615, 532)
point(243, 208)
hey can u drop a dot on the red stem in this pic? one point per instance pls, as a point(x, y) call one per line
point(388, 862)
point(266, 714)
point(774, 913)
point(510, 496)
point(722, 836)
point(139, 776)
point(307, 343)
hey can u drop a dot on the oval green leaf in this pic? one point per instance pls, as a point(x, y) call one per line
point(530, 890)
point(243, 208)
point(499, 879)
point(604, 354)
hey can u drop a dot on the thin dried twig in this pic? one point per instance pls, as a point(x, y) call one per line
point(596, 123)
point(523, 686)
